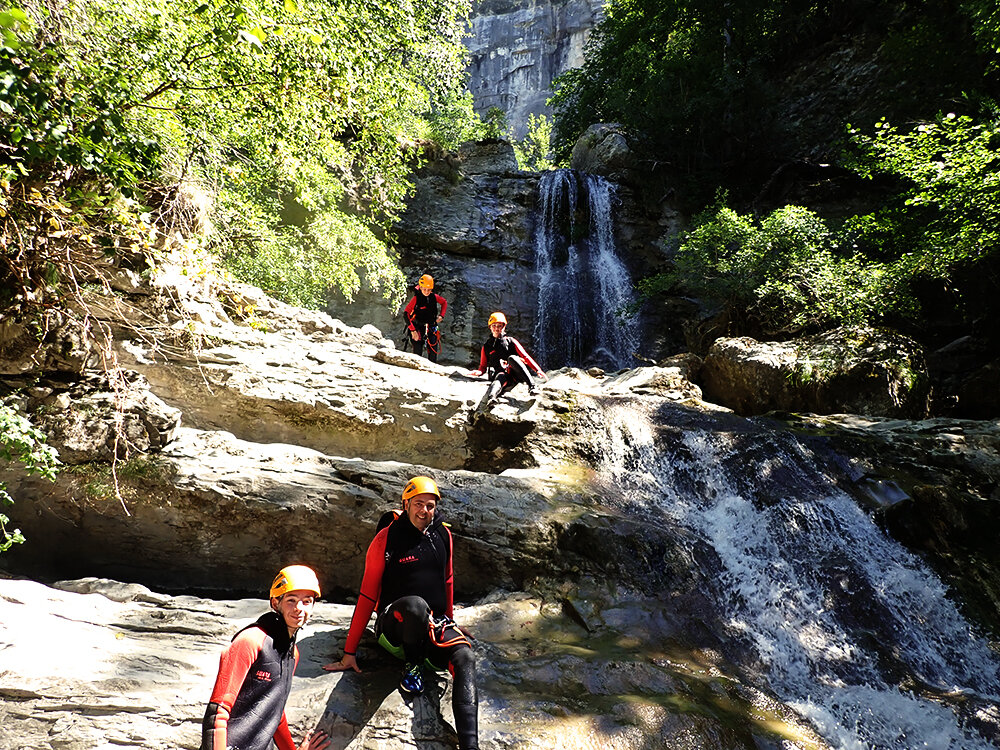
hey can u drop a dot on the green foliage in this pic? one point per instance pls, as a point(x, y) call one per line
point(712, 89)
point(534, 151)
point(290, 115)
point(454, 122)
point(686, 78)
point(785, 274)
point(495, 122)
point(22, 443)
point(791, 272)
point(53, 117)
point(333, 247)
point(946, 214)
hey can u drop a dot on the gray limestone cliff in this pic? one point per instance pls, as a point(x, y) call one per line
point(518, 47)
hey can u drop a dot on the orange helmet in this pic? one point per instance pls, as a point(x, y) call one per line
point(418, 486)
point(293, 578)
point(426, 281)
point(497, 317)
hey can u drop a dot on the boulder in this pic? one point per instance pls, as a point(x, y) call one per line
point(95, 419)
point(604, 150)
point(875, 372)
point(59, 342)
point(979, 393)
point(490, 156)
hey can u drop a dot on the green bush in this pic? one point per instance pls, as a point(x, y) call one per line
point(784, 275)
point(22, 443)
point(534, 151)
point(288, 115)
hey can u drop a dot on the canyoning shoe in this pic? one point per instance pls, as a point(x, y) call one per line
point(412, 681)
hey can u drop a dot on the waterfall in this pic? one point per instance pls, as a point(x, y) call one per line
point(584, 289)
point(844, 624)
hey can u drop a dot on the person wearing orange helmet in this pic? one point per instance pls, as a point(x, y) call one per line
point(423, 314)
point(505, 361)
point(409, 582)
point(247, 707)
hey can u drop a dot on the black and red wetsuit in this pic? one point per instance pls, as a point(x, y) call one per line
point(409, 580)
point(403, 561)
point(519, 363)
point(422, 313)
point(247, 707)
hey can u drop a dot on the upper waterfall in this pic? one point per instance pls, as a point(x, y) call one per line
point(584, 289)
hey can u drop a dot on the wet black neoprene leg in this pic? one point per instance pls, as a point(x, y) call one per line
point(519, 372)
point(465, 698)
point(405, 623)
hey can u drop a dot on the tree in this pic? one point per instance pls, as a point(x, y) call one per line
point(292, 115)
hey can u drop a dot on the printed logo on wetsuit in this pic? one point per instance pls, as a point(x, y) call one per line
point(260, 674)
point(408, 559)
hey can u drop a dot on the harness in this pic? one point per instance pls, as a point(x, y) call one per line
point(497, 349)
point(426, 308)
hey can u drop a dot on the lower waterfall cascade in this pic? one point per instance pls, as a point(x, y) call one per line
point(846, 626)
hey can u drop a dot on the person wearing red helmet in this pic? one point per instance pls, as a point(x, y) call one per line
point(247, 707)
point(409, 582)
point(505, 361)
point(423, 314)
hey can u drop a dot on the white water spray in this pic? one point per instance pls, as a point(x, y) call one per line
point(831, 606)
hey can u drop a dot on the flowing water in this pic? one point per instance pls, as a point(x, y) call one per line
point(842, 623)
point(584, 289)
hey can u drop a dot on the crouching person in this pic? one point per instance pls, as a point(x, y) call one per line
point(247, 707)
point(408, 581)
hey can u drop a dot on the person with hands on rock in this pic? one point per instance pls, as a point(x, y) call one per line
point(409, 582)
point(247, 707)
point(505, 361)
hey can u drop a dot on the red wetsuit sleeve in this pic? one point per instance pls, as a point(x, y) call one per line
point(371, 587)
point(449, 577)
point(408, 311)
point(233, 667)
point(523, 354)
point(283, 735)
point(482, 360)
point(443, 305)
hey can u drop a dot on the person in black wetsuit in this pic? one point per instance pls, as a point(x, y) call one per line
point(423, 314)
point(505, 361)
point(247, 707)
point(408, 582)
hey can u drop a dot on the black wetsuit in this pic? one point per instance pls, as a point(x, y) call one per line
point(422, 314)
point(408, 579)
point(519, 364)
point(247, 707)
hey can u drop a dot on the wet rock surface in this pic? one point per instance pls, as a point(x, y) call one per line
point(94, 663)
point(594, 613)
